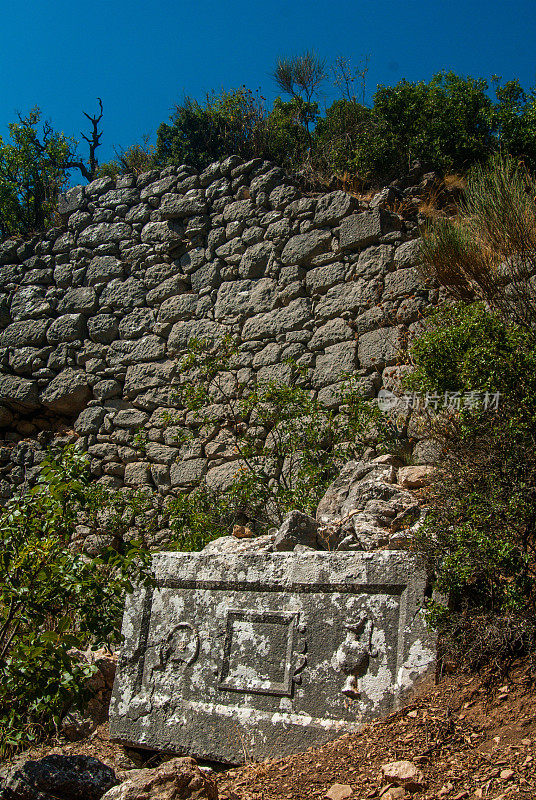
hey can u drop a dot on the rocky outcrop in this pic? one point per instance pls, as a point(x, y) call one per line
point(177, 779)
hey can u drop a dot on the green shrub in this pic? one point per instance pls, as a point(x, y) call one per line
point(225, 123)
point(53, 599)
point(479, 536)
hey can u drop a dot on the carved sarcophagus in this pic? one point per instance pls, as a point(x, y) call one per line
point(230, 657)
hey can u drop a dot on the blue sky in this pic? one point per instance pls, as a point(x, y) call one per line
point(142, 57)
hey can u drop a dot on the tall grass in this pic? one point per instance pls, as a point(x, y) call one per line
point(488, 250)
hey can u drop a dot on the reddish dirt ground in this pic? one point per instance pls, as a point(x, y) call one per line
point(468, 742)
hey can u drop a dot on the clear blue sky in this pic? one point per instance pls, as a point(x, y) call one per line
point(142, 57)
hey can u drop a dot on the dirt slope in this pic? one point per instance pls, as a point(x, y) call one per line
point(468, 742)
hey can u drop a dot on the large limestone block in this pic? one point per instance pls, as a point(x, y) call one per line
point(267, 654)
point(243, 298)
point(67, 393)
point(18, 393)
point(104, 233)
point(303, 247)
point(382, 347)
point(360, 230)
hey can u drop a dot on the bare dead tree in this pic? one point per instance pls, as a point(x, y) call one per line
point(93, 140)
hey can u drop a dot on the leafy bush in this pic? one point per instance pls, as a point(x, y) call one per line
point(231, 122)
point(33, 171)
point(287, 446)
point(53, 599)
point(480, 533)
point(134, 160)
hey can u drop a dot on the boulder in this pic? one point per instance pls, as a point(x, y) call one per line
point(58, 777)
point(415, 476)
point(177, 779)
point(303, 247)
point(231, 544)
point(297, 529)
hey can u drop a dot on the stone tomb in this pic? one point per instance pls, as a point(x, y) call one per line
point(231, 657)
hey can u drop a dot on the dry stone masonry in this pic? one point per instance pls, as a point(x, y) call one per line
point(95, 316)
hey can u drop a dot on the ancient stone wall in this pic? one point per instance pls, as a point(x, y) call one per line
point(95, 316)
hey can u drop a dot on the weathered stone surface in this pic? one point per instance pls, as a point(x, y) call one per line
point(123, 294)
point(333, 332)
point(295, 649)
point(18, 393)
point(160, 233)
point(180, 307)
point(297, 529)
point(90, 420)
point(103, 269)
point(28, 302)
point(381, 348)
point(401, 283)
point(244, 298)
point(104, 233)
point(345, 298)
point(176, 779)
point(338, 362)
point(141, 377)
point(183, 332)
point(339, 791)
point(67, 393)
point(364, 506)
point(58, 777)
point(80, 300)
point(332, 207)
point(282, 320)
point(321, 278)
point(148, 348)
point(403, 773)
point(360, 230)
point(408, 253)
point(174, 206)
point(188, 473)
point(176, 284)
point(414, 477)
point(303, 247)
point(27, 333)
point(103, 328)
point(230, 544)
point(67, 328)
point(70, 201)
point(138, 473)
point(255, 260)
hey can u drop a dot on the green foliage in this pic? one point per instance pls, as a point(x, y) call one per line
point(53, 598)
point(447, 123)
point(287, 445)
point(134, 160)
point(338, 135)
point(480, 533)
point(226, 123)
point(300, 77)
point(33, 170)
